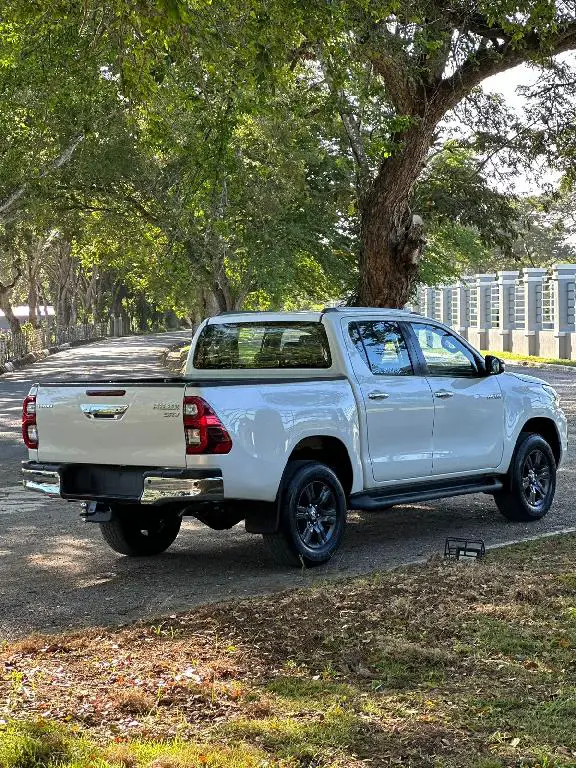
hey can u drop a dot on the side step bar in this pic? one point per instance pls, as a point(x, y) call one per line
point(378, 497)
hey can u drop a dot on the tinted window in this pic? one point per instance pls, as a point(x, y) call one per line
point(262, 345)
point(382, 346)
point(445, 355)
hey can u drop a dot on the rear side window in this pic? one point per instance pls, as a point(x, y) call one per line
point(262, 345)
point(382, 346)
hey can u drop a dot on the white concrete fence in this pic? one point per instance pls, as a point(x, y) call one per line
point(529, 312)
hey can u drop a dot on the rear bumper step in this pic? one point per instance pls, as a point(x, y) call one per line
point(143, 485)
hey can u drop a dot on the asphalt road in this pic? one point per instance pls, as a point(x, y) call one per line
point(56, 573)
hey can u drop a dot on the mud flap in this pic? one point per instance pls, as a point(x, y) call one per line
point(262, 517)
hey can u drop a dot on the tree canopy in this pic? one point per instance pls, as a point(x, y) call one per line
point(189, 157)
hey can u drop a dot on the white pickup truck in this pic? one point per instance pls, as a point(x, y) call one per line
point(285, 421)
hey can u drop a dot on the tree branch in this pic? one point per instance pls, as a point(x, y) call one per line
point(384, 51)
point(11, 202)
point(351, 126)
point(5, 288)
point(492, 59)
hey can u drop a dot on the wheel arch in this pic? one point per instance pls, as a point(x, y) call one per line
point(548, 430)
point(327, 450)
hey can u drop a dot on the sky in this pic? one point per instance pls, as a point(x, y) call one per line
point(506, 84)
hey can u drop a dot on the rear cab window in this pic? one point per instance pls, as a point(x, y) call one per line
point(262, 345)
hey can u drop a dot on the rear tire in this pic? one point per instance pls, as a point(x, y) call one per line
point(312, 516)
point(140, 533)
point(531, 481)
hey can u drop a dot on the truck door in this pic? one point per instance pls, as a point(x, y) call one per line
point(468, 405)
point(398, 403)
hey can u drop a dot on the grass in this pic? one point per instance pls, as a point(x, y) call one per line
point(531, 359)
point(45, 745)
point(438, 666)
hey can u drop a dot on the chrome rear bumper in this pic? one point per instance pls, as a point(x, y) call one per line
point(162, 489)
point(42, 480)
point(149, 486)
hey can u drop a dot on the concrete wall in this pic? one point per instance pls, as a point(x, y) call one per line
point(527, 312)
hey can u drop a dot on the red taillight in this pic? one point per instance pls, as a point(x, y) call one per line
point(203, 430)
point(29, 428)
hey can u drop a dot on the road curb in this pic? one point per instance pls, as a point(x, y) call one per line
point(546, 535)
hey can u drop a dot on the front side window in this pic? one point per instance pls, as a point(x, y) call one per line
point(262, 345)
point(445, 355)
point(382, 346)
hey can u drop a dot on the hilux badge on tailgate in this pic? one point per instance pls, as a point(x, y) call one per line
point(171, 410)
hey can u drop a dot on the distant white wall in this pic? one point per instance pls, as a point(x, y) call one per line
point(529, 312)
point(23, 314)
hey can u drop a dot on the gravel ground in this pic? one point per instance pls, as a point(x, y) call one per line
point(57, 573)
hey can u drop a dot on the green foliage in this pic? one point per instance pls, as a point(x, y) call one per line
point(37, 745)
point(194, 157)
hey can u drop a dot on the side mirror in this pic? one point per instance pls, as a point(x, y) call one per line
point(493, 365)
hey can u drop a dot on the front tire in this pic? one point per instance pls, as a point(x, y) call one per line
point(140, 533)
point(312, 516)
point(531, 481)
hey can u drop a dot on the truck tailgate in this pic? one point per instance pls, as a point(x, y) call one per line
point(117, 423)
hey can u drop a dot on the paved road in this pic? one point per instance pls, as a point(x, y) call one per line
point(56, 573)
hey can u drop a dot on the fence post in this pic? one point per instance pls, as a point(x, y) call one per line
point(562, 274)
point(459, 297)
point(445, 304)
point(506, 283)
point(482, 288)
point(428, 302)
point(533, 279)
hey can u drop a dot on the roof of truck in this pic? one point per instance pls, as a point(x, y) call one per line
point(305, 316)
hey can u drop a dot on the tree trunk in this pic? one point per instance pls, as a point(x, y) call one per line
point(389, 257)
point(6, 307)
point(33, 303)
point(35, 252)
point(6, 300)
point(391, 237)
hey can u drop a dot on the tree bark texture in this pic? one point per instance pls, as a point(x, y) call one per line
point(6, 301)
point(6, 307)
point(391, 237)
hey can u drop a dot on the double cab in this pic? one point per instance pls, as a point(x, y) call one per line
point(287, 420)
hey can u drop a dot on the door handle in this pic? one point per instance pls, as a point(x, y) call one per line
point(443, 393)
point(378, 395)
point(112, 412)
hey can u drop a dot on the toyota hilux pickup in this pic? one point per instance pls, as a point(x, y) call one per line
point(287, 420)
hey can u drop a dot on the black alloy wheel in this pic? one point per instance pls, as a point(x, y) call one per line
point(536, 478)
point(316, 515)
point(312, 515)
point(531, 481)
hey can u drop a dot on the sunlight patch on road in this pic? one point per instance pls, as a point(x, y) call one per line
point(66, 553)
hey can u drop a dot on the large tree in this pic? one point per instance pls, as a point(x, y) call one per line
point(393, 68)
point(391, 72)
point(429, 56)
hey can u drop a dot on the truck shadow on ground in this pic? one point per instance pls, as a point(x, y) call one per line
point(73, 580)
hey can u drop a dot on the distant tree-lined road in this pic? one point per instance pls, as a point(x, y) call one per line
point(56, 573)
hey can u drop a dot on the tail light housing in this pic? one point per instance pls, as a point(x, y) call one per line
point(29, 426)
point(203, 430)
